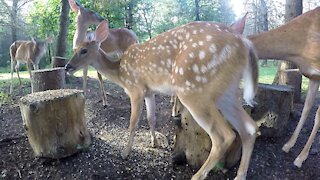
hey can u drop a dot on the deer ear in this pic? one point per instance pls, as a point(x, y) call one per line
point(239, 25)
point(102, 31)
point(33, 41)
point(74, 6)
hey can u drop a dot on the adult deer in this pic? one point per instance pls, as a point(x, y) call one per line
point(202, 63)
point(117, 42)
point(29, 52)
point(298, 41)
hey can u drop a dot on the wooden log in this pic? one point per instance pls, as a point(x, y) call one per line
point(55, 122)
point(58, 61)
point(48, 79)
point(192, 144)
point(273, 108)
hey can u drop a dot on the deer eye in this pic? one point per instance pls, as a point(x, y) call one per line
point(83, 51)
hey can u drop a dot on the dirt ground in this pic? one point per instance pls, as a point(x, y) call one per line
point(108, 127)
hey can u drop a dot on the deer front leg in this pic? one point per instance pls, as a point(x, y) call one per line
point(84, 78)
point(29, 70)
point(221, 134)
point(102, 92)
point(313, 88)
point(12, 68)
point(305, 152)
point(136, 106)
point(151, 116)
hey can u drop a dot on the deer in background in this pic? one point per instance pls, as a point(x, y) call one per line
point(29, 52)
point(298, 41)
point(202, 63)
point(118, 41)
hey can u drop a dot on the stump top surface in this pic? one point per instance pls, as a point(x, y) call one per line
point(48, 70)
point(275, 87)
point(49, 95)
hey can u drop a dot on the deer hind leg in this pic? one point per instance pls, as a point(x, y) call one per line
point(217, 128)
point(84, 78)
point(17, 67)
point(136, 106)
point(151, 116)
point(233, 111)
point(313, 88)
point(305, 152)
point(102, 91)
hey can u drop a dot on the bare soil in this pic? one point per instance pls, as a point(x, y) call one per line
point(108, 127)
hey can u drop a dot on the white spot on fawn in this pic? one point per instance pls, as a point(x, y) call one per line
point(195, 68)
point(181, 71)
point(202, 55)
point(208, 37)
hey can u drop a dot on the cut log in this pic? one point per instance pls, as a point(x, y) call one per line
point(273, 108)
point(48, 79)
point(193, 145)
point(58, 61)
point(55, 122)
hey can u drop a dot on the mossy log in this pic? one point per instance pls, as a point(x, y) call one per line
point(55, 122)
point(48, 79)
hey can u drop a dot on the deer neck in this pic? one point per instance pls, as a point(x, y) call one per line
point(80, 34)
point(107, 67)
point(276, 45)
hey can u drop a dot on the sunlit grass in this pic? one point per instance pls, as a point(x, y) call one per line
point(267, 74)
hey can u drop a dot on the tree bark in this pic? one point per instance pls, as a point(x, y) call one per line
point(52, 131)
point(14, 13)
point(48, 79)
point(263, 23)
point(293, 9)
point(129, 19)
point(63, 29)
point(197, 10)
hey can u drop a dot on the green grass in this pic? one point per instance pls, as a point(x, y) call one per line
point(267, 74)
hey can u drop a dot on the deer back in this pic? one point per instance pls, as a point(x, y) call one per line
point(185, 58)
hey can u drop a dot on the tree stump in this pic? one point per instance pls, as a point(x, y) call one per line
point(48, 79)
point(55, 122)
point(193, 144)
point(58, 61)
point(273, 108)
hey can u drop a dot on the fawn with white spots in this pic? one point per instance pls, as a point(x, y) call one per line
point(298, 41)
point(117, 42)
point(202, 63)
point(29, 52)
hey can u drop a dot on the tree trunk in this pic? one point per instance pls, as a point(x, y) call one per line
point(53, 131)
point(263, 23)
point(14, 13)
point(48, 79)
point(129, 19)
point(197, 10)
point(293, 9)
point(63, 29)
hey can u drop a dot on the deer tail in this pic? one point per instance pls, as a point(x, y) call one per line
point(250, 74)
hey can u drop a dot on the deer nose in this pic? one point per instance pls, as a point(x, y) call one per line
point(68, 67)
